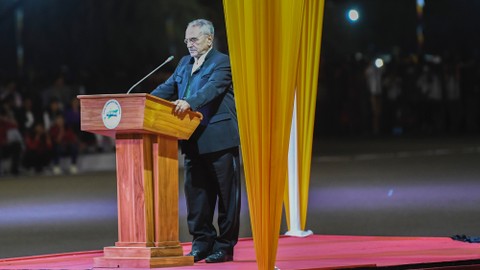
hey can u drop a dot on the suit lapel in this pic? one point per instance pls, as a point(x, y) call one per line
point(188, 72)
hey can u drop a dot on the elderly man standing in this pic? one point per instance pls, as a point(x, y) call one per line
point(202, 82)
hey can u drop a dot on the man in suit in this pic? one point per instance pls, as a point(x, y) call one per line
point(202, 82)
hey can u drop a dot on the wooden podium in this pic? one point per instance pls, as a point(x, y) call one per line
point(146, 133)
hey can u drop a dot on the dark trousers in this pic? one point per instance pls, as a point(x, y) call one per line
point(66, 149)
point(37, 159)
point(13, 151)
point(208, 178)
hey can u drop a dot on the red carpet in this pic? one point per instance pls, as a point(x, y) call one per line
point(313, 252)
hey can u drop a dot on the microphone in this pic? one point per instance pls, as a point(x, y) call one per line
point(161, 65)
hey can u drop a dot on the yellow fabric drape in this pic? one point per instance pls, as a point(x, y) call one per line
point(307, 84)
point(263, 39)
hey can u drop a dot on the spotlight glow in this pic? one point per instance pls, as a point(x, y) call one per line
point(353, 15)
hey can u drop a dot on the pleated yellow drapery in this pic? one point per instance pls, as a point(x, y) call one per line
point(264, 39)
point(307, 84)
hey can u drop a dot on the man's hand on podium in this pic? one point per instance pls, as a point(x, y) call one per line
point(181, 106)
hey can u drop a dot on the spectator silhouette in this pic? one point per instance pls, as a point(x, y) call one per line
point(28, 114)
point(373, 75)
point(430, 87)
point(72, 120)
point(53, 109)
point(59, 91)
point(393, 91)
point(11, 143)
point(38, 148)
point(65, 143)
point(453, 98)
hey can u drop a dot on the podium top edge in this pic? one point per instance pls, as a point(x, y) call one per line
point(114, 95)
point(145, 95)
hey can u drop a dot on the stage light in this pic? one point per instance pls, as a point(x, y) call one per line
point(353, 15)
point(379, 62)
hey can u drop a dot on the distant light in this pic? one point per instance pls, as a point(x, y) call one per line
point(421, 3)
point(358, 56)
point(433, 58)
point(353, 15)
point(379, 62)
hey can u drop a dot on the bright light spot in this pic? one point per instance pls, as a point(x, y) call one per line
point(420, 3)
point(353, 15)
point(379, 62)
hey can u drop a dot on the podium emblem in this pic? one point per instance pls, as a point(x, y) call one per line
point(111, 114)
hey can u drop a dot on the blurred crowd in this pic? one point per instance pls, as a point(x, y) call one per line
point(386, 95)
point(391, 95)
point(40, 131)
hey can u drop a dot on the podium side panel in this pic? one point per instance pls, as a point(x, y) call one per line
point(165, 153)
point(135, 190)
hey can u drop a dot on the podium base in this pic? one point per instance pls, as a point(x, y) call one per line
point(142, 262)
point(142, 257)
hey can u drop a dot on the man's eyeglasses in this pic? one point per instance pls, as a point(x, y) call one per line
point(193, 40)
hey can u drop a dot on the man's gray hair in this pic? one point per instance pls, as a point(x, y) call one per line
point(206, 26)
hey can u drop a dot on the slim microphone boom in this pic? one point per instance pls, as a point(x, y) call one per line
point(161, 65)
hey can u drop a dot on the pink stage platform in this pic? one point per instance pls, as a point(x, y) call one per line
point(313, 252)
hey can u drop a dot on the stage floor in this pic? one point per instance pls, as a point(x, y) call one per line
point(312, 252)
point(417, 189)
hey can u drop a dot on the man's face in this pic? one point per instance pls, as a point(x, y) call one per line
point(197, 43)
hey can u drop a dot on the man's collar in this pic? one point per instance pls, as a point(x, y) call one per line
point(203, 57)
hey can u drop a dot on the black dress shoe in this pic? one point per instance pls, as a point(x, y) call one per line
point(198, 255)
point(219, 256)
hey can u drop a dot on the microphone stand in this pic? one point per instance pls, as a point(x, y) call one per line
point(161, 65)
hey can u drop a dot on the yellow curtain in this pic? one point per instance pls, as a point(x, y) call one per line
point(307, 84)
point(264, 39)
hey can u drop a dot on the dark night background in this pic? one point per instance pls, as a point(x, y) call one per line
point(106, 46)
point(415, 176)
